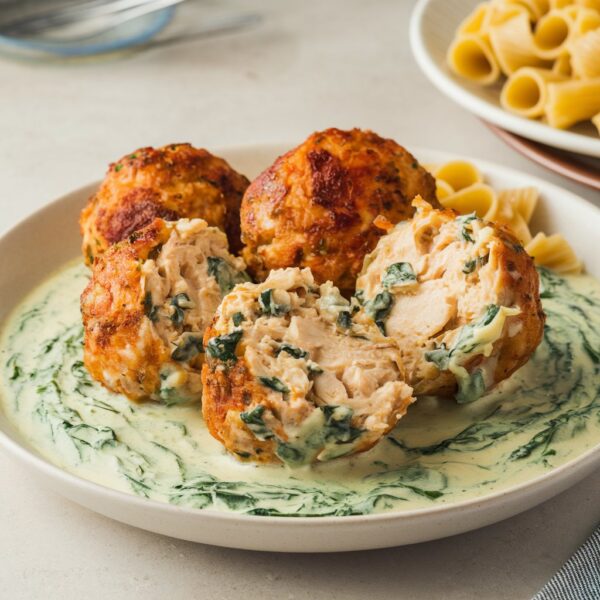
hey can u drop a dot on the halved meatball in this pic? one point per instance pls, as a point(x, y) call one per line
point(147, 305)
point(315, 206)
point(459, 295)
point(290, 376)
point(171, 182)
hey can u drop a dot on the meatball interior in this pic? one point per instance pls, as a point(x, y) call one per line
point(459, 295)
point(315, 206)
point(172, 182)
point(290, 376)
point(147, 305)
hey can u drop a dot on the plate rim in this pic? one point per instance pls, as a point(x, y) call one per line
point(550, 481)
point(532, 129)
point(534, 151)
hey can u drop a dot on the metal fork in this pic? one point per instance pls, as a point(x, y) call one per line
point(91, 17)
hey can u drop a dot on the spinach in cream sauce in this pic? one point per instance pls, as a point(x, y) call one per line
point(546, 414)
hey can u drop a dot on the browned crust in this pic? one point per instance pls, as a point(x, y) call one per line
point(229, 389)
point(323, 197)
point(112, 311)
point(175, 181)
point(514, 352)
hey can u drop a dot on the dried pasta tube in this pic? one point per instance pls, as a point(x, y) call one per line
point(558, 4)
point(596, 122)
point(585, 55)
point(500, 12)
point(525, 92)
point(593, 4)
point(562, 65)
point(523, 200)
point(458, 174)
point(572, 101)
point(585, 19)
point(543, 6)
point(471, 56)
point(475, 21)
point(535, 8)
point(512, 42)
point(552, 34)
point(555, 252)
point(519, 228)
point(442, 189)
point(479, 198)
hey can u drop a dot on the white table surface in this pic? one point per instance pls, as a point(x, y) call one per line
point(307, 65)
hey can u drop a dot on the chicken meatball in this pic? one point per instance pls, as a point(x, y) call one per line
point(315, 206)
point(147, 305)
point(289, 376)
point(170, 183)
point(459, 295)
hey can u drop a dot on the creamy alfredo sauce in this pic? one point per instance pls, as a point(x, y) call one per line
point(546, 414)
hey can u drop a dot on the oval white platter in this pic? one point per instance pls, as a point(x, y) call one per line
point(432, 27)
point(23, 266)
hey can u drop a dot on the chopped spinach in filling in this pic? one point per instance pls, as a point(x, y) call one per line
point(275, 384)
point(338, 424)
point(238, 318)
point(179, 303)
point(344, 320)
point(223, 347)
point(268, 306)
point(253, 419)
point(466, 229)
point(226, 276)
point(397, 275)
point(471, 265)
point(150, 310)
point(190, 346)
point(472, 340)
point(293, 351)
point(379, 309)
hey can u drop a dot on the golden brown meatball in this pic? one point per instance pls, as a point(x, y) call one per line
point(147, 305)
point(315, 206)
point(290, 375)
point(171, 182)
point(459, 295)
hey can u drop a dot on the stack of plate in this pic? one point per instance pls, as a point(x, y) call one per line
point(574, 153)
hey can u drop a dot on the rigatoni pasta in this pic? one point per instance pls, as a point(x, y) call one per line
point(476, 22)
point(458, 174)
point(478, 198)
point(549, 51)
point(511, 207)
point(585, 20)
point(554, 251)
point(596, 121)
point(472, 57)
point(552, 34)
point(585, 55)
point(526, 91)
point(570, 102)
point(512, 42)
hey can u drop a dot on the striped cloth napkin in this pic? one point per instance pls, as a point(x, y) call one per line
point(579, 577)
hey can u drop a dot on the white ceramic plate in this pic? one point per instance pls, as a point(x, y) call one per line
point(22, 266)
point(432, 27)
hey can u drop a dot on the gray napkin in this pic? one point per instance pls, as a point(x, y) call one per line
point(579, 577)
